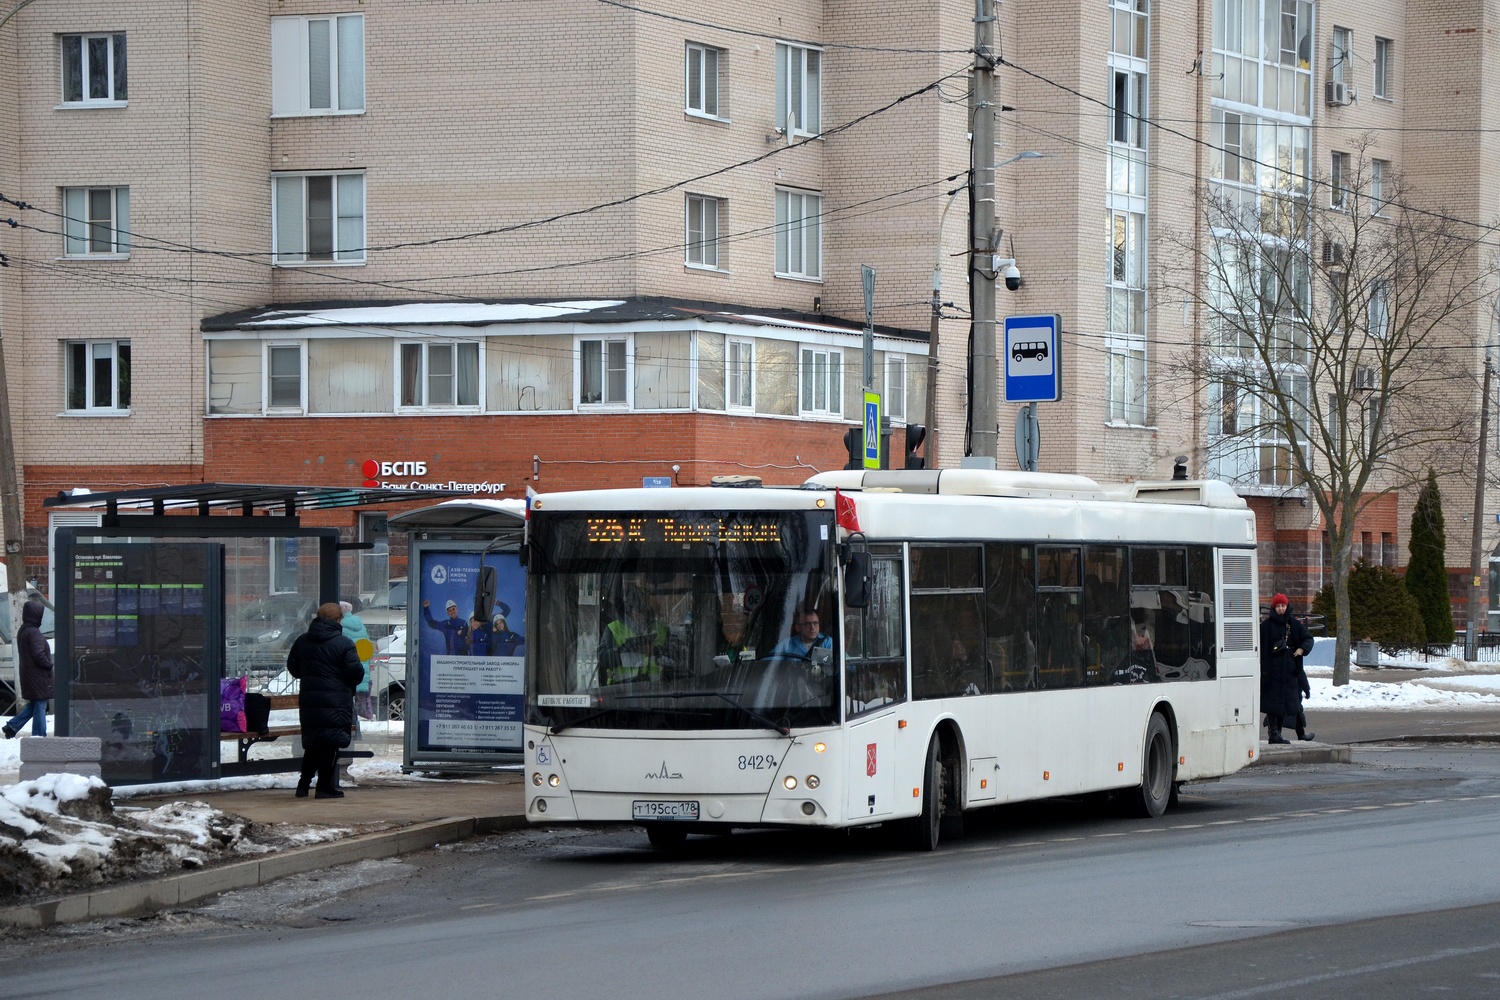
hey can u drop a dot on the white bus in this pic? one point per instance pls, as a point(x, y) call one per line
point(884, 647)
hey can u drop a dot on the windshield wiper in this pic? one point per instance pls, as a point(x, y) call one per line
point(784, 730)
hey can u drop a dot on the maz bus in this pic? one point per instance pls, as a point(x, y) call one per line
point(980, 638)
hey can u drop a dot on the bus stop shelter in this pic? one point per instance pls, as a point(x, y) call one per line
point(177, 588)
point(466, 634)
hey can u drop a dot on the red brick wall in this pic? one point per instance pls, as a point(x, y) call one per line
point(1291, 560)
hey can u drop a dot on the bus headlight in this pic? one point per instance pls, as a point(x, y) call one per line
point(536, 778)
point(553, 780)
point(812, 781)
point(789, 782)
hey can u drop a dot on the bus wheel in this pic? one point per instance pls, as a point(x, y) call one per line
point(925, 829)
point(666, 836)
point(1158, 772)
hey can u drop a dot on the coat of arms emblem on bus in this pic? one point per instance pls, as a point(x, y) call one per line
point(870, 760)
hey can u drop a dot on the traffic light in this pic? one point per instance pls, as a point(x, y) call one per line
point(915, 435)
point(854, 440)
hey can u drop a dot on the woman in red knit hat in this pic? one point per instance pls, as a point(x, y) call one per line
point(1283, 642)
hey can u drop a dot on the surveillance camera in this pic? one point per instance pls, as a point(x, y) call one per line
point(1005, 267)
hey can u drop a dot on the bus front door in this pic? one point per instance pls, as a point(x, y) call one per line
point(872, 765)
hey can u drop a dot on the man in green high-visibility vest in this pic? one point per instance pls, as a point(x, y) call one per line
point(632, 645)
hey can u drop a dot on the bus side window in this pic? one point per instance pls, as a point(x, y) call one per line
point(1202, 639)
point(1010, 615)
point(1060, 600)
point(947, 649)
point(877, 671)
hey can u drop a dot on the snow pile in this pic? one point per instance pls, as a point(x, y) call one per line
point(61, 833)
point(1412, 694)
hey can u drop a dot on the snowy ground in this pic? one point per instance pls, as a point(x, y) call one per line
point(64, 833)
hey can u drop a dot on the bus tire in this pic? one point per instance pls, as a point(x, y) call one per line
point(1158, 772)
point(666, 836)
point(925, 829)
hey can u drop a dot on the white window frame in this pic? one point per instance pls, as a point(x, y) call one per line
point(739, 374)
point(1128, 107)
point(702, 231)
point(278, 582)
point(1340, 50)
point(90, 384)
point(1339, 169)
point(115, 53)
point(85, 233)
point(799, 234)
point(893, 403)
point(1378, 309)
point(703, 74)
point(273, 347)
point(1381, 84)
point(1378, 170)
point(348, 242)
point(799, 88)
point(425, 352)
point(297, 53)
point(606, 401)
point(820, 384)
point(1125, 381)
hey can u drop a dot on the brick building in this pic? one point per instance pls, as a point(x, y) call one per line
point(578, 243)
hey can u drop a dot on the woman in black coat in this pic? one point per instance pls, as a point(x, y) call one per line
point(324, 660)
point(36, 672)
point(1283, 642)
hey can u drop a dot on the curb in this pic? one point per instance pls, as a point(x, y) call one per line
point(1315, 753)
point(158, 894)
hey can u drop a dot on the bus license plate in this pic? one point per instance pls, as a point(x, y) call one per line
point(673, 810)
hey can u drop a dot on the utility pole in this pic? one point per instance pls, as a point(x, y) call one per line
point(1476, 547)
point(983, 446)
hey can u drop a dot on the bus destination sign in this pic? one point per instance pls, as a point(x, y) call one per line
point(650, 529)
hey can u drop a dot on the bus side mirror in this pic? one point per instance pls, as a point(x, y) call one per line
point(484, 593)
point(857, 579)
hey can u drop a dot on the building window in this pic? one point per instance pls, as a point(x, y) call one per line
point(320, 218)
point(284, 379)
point(799, 90)
point(1128, 108)
point(1338, 55)
point(894, 403)
point(440, 374)
point(703, 231)
point(1126, 401)
point(1379, 310)
point(1378, 170)
point(604, 372)
point(739, 372)
point(317, 65)
point(96, 222)
point(98, 373)
point(799, 234)
point(822, 381)
point(1384, 50)
point(1338, 180)
point(704, 64)
point(93, 69)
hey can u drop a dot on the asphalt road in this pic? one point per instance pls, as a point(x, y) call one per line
point(1365, 880)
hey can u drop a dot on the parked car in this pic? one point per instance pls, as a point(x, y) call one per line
point(388, 676)
point(259, 635)
point(386, 611)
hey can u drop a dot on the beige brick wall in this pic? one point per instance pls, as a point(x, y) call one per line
point(498, 116)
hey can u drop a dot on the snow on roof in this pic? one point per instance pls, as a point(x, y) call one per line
point(408, 313)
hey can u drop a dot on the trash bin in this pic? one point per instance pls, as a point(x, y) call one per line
point(1367, 654)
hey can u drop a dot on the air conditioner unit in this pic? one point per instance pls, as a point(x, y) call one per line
point(1335, 92)
point(1367, 379)
point(1333, 253)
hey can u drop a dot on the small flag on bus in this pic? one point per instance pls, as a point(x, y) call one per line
point(844, 512)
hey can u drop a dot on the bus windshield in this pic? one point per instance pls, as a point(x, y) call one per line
point(683, 621)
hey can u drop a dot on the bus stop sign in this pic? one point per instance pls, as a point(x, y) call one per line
point(1033, 359)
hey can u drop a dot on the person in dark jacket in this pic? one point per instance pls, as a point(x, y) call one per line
point(1283, 642)
point(35, 661)
point(324, 660)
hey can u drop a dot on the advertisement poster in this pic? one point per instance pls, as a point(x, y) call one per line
point(471, 654)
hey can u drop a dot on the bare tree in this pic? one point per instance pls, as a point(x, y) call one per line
point(1339, 343)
